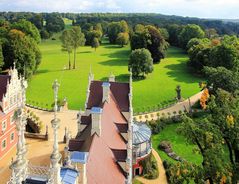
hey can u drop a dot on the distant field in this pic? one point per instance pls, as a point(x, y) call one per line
point(157, 88)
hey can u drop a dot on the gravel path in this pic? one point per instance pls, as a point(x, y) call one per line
point(184, 105)
point(162, 179)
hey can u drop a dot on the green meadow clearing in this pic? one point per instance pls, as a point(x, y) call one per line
point(179, 145)
point(157, 89)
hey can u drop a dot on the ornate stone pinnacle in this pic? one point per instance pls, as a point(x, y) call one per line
point(55, 87)
point(19, 166)
point(55, 156)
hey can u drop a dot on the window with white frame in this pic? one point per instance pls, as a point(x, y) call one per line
point(12, 119)
point(4, 125)
point(12, 136)
point(4, 144)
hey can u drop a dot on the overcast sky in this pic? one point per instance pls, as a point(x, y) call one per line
point(193, 8)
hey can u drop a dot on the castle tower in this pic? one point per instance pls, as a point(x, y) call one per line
point(55, 156)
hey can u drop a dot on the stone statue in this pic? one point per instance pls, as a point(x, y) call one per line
point(178, 91)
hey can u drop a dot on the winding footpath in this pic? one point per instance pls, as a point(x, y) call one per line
point(180, 106)
point(162, 179)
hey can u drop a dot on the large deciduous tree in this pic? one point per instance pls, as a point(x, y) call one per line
point(23, 50)
point(151, 39)
point(28, 28)
point(95, 43)
point(1, 58)
point(140, 62)
point(37, 20)
point(157, 45)
point(224, 108)
point(90, 35)
point(115, 28)
point(223, 78)
point(208, 138)
point(174, 31)
point(122, 39)
point(54, 23)
point(188, 32)
point(67, 44)
point(225, 55)
point(78, 39)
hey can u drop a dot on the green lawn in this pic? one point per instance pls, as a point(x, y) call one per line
point(179, 145)
point(158, 87)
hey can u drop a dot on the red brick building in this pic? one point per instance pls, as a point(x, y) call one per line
point(10, 93)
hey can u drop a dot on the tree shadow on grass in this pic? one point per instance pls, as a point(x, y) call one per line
point(181, 72)
point(84, 52)
point(42, 71)
point(122, 53)
point(123, 78)
point(110, 46)
point(119, 58)
point(115, 62)
point(175, 52)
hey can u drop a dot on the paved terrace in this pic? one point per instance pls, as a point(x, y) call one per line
point(39, 151)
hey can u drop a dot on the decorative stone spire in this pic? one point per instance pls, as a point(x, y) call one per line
point(90, 78)
point(67, 152)
point(91, 75)
point(112, 77)
point(130, 134)
point(19, 166)
point(80, 113)
point(55, 156)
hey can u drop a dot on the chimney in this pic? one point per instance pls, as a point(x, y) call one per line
point(96, 113)
point(106, 92)
point(111, 78)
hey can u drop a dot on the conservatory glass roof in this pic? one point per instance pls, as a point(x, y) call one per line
point(141, 133)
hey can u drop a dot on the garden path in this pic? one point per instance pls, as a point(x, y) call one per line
point(181, 106)
point(162, 179)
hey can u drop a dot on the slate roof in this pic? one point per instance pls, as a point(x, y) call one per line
point(119, 90)
point(106, 149)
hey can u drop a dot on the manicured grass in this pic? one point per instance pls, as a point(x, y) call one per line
point(157, 88)
point(179, 145)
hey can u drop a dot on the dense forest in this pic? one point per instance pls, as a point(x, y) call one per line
point(222, 26)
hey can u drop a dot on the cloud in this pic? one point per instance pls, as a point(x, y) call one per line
point(195, 8)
